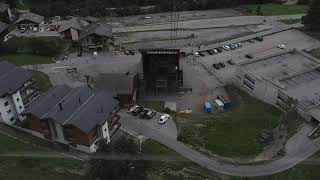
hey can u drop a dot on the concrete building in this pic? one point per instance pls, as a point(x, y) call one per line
point(75, 117)
point(16, 90)
point(123, 86)
point(290, 79)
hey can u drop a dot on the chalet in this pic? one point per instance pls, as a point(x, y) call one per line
point(3, 30)
point(124, 86)
point(91, 19)
point(29, 20)
point(96, 36)
point(76, 117)
point(16, 91)
point(71, 29)
point(5, 13)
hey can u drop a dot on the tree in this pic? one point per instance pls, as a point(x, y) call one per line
point(259, 11)
point(312, 19)
point(119, 167)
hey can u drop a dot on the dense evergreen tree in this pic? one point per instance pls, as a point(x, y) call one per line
point(124, 165)
point(312, 19)
point(125, 7)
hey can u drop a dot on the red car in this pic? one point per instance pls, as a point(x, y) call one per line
point(126, 52)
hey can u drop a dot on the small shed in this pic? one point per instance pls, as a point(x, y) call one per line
point(219, 104)
point(207, 107)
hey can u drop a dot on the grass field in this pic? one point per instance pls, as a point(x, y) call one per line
point(25, 59)
point(232, 133)
point(316, 53)
point(35, 168)
point(156, 105)
point(42, 81)
point(274, 9)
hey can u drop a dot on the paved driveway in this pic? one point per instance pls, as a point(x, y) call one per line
point(298, 148)
point(137, 126)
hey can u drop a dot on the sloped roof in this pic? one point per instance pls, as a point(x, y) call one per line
point(91, 19)
point(3, 7)
point(12, 78)
point(118, 83)
point(30, 17)
point(81, 107)
point(100, 29)
point(3, 26)
point(75, 23)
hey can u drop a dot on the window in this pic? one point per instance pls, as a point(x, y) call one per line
point(20, 107)
point(12, 119)
point(248, 85)
point(105, 129)
point(18, 99)
point(249, 79)
point(6, 104)
point(9, 111)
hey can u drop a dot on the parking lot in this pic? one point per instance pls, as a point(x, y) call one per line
point(168, 129)
point(290, 38)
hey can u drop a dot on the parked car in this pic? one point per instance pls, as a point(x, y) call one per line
point(132, 108)
point(132, 52)
point(216, 66)
point(201, 53)
point(249, 56)
point(219, 50)
point(259, 38)
point(137, 111)
point(215, 51)
point(281, 46)
point(221, 64)
point(164, 118)
point(143, 113)
point(126, 52)
point(233, 46)
point(151, 114)
point(196, 54)
point(251, 41)
point(239, 44)
point(210, 52)
point(230, 62)
point(226, 48)
point(22, 30)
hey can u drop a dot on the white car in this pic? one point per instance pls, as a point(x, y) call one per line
point(281, 46)
point(164, 118)
point(239, 44)
point(226, 48)
point(196, 54)
point(215, 51)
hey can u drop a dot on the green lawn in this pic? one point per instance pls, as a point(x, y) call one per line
point(156, 105)
point(274, 9)
point(42, 81)
point(316, 53)
point(35, 168)
point(232, 133)
point(25, 59)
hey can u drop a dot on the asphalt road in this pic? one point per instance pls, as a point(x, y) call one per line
point(298, 148)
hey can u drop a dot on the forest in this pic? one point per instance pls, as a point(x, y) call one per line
point(101, 8)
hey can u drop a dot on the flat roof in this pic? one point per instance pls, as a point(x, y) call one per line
point(280, 64)
point(305, 87)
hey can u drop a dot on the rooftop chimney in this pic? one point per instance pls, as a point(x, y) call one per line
point(60, 106)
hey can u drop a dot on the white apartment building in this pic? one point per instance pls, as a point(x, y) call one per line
point(15, 91)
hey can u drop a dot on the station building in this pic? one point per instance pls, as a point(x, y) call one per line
point(290, 79)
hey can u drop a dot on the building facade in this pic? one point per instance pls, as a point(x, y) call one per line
point(78, 118)
point(16, 91)
point(290, 79)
